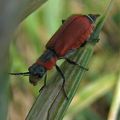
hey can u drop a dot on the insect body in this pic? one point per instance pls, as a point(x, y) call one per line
point(73, 34)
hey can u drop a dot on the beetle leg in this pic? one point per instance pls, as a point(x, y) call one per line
point(44, 83)
point(63, 85)
point(63, 21)
point(83, 44)
point(74, 63)
point(97, 40)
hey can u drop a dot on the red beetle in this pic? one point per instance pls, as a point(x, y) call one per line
point(74, 33)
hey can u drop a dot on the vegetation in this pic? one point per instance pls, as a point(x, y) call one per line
point(97, 92)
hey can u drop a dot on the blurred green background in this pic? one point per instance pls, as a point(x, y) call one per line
point(98, 90)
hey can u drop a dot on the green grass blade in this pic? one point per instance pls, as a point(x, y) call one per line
point(115, 103)
point(89, 93)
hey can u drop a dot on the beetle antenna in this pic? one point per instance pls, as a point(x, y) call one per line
point(24, 73)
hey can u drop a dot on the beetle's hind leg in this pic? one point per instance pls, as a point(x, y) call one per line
point(45, 79)
point(63, 84)
point(83, 44)
point(75, 63)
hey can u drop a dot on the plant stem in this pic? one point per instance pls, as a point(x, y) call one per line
point(115, 103)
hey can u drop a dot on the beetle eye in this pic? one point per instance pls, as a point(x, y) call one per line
point(37, 70)
point(42, 70)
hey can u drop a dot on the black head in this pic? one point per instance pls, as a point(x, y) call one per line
point(36, 72)
point(93, 17)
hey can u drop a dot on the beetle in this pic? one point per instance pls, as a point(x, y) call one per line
point(73, 34)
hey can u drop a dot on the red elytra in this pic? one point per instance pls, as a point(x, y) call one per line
point(73, 33)
point(75, 30)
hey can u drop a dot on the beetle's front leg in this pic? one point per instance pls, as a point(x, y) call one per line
point(44, 83)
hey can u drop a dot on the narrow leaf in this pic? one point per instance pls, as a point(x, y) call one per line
point(115, 103)
point(95, 36)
